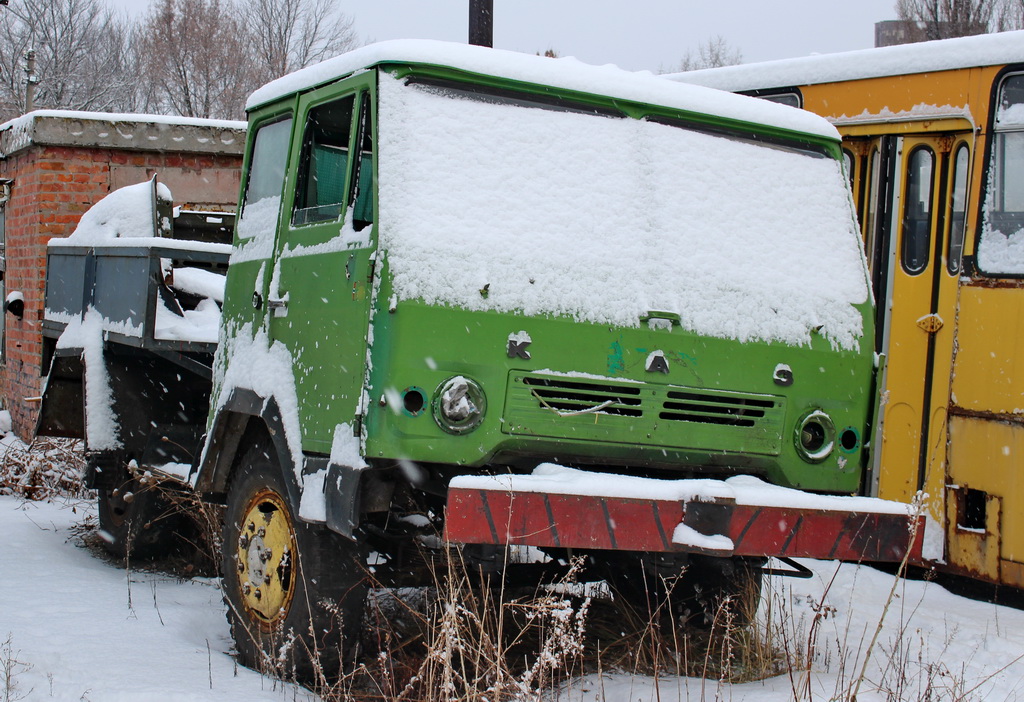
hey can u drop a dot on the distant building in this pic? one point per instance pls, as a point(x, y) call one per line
point(893, 32)
point(54, 165)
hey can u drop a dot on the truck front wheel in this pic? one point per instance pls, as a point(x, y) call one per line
point(294, 591)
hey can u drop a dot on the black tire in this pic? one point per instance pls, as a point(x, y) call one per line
point(717, 593)
point(700, 592)
point(136, 521)
point(294, 591)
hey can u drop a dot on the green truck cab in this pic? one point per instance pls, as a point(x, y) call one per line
point(454, 261)
point(491, 299)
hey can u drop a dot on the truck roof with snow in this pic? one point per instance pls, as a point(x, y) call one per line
point(453, 264)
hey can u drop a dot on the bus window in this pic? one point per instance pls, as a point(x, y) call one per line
point(958, 210)
point(999, 250)
point(791, 99)
point(870, 223)
point(917, 211)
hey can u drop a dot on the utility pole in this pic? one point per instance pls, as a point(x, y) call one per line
point(481, 22)
point(30, 80)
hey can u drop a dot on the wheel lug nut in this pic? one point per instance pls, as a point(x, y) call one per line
point(266, 555)
point(246, 589)
point(266, 579)
point(244, 541)
point(261, 532)
point(257, 594)
point(241, 567)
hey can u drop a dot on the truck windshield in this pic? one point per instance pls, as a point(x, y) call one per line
point(538, 209)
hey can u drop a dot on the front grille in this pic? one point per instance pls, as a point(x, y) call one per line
point(579, 408)
point(576, 397)
point(715, 409)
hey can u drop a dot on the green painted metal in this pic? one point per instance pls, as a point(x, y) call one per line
point(698, 418)
point(416, 344)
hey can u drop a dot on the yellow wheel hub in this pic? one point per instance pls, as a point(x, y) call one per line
point(265, 553)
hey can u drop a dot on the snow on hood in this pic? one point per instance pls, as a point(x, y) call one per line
point(602, 220)
point(924, 57)
point(563, 73)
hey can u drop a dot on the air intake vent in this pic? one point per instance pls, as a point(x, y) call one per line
point(624, 418)
point(574, 396)
point(714, 409)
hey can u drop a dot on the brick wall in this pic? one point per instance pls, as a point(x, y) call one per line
point(53, 186)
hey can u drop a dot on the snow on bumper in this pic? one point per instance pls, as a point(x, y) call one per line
point(742, 516)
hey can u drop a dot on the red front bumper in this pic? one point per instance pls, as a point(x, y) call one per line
point(720, 527)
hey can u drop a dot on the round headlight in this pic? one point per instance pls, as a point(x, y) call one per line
point(815, 436)
point(459, 405)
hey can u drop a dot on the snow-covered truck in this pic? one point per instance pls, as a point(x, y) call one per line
point(500, 299)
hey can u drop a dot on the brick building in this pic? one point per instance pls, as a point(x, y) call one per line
point(53, 166)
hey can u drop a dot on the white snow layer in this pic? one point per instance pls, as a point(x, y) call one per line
point(82, 628)
point(101, 423)
point(603, 219)
point(1001, 253)
point(924, 57)
point(743, 489)
point(197, 281)
point(170, 120)
point(126, 212)
point(200, 325)
point(564, 73)
point(249, 360)
point(159, 638)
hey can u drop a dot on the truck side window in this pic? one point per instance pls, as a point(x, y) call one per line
point(266, 180)
point(362, 181)
point(320, 195)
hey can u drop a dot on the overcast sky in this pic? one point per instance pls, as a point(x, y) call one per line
point(650, 34)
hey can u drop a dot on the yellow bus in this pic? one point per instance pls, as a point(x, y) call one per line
point(933, 135)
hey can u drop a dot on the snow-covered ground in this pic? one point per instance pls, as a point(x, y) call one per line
point(84, 629)
point(76, 627)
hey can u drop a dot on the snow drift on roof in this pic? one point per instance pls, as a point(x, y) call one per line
point(174, 120)
point(944, 55)
point(563, 73)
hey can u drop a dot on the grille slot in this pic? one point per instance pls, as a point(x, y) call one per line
point(574, 396)
point(714, 409)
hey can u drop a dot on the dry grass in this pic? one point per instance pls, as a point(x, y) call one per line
point(10, 668)
point(465, 640)
point(461, 640)
point(42, 470)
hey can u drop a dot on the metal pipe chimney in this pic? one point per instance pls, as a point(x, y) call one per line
point(481, 22)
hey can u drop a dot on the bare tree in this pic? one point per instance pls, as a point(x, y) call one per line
point(81, 57)
point(286, 36)
point(713, 53)
point(192, 54)
point(1010, 15)
point(943, 19)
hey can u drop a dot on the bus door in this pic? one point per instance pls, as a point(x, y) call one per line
point(918, 239)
